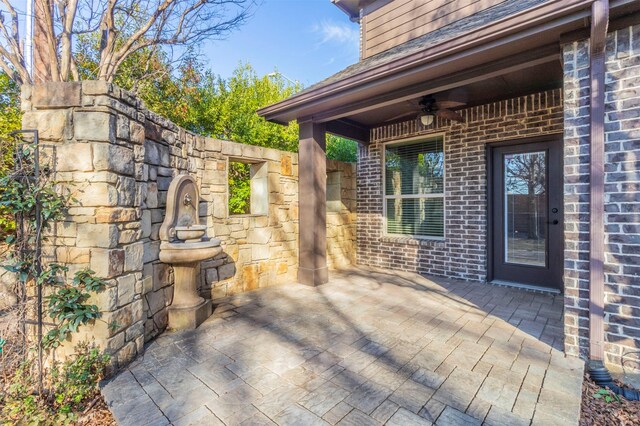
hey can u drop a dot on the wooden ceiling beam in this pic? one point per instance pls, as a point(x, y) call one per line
point(349, 129)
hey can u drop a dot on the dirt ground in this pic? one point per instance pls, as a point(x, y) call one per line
point(597, 411)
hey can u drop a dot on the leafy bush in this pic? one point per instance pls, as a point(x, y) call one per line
point(239, 188)
point(64, 389)
point(10, 118)
point(72, 386)
point(342, 149)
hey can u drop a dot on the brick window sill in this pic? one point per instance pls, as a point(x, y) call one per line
point(412, 241)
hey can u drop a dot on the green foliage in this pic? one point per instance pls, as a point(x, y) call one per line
point(607, 395)
point(239, 188)
point(69, 387)
point(10, 115)
point(28, 200)
point(72, 385)
point(67, 305)
point(239, 98)
point(342, 149)
point(207, 104)
point(10, 118)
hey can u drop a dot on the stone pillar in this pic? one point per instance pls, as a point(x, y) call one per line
point(91, 148)
point(313, 200)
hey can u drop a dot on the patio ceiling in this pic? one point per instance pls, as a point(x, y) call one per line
point(515, 83)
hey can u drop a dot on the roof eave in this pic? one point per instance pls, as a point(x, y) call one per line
point(349, 9)
point(536, 16)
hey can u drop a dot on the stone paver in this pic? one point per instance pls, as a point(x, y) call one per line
point(369, 347)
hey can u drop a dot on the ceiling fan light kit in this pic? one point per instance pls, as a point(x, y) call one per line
point(426, 119)
point(430, 108)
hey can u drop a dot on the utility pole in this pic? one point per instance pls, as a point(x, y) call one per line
point(28, 43)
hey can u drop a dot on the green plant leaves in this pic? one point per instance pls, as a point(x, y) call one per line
point(606, 395)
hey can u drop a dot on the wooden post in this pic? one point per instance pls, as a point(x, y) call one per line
point(312, 190)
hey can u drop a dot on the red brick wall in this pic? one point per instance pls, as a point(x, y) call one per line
point(462, 254)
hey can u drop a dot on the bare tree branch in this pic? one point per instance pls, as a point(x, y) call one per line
point(125, 27)
point(11, 55)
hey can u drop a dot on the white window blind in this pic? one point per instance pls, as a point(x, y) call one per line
point(414, 188)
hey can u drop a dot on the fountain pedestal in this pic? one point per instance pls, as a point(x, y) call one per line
point(188, 310)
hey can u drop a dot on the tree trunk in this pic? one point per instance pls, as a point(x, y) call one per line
point(41, 61)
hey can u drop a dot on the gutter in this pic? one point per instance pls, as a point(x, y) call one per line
point(507, 26)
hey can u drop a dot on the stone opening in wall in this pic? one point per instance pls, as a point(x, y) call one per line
point(247, 188)
point(334, 192)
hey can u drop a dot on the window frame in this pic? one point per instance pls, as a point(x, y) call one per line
point(385, 197)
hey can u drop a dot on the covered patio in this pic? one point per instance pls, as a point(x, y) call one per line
point(369, 347)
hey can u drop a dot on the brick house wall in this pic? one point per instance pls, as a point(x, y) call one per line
point(622, 197)
point(118, 159)
point(463, 252)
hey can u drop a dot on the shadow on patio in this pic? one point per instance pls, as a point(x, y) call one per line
point(369, 347)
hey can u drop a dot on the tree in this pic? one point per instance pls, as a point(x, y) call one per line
point(9, 121)
point(9, 105)
point(124, 27)
point(342, 149)
point(239, 97)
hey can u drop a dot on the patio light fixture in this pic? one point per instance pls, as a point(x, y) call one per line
point(428, 111)
point(426, 118)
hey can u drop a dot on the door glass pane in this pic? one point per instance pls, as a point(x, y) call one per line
point(525, 193)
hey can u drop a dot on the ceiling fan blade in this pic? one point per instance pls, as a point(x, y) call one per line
point(449, 104)
point(447, 114)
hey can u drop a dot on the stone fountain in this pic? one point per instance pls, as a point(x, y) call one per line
point(184, 245)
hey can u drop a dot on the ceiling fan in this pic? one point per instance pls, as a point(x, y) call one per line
point(431, 108)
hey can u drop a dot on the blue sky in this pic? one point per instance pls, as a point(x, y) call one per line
point(305, 40)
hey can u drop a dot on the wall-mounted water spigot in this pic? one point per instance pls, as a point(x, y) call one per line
point(187, 200)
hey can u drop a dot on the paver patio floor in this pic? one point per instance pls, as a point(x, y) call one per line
point(369, 347)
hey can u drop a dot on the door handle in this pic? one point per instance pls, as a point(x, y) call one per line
point(554, 222)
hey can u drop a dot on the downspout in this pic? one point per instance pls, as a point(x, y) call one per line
point(599, 24)
point(597, 371)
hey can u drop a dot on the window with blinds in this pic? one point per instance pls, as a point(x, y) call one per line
point(414, 188)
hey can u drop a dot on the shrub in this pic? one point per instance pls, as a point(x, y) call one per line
point(72, 386)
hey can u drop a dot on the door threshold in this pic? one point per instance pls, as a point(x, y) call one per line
point(530, 287)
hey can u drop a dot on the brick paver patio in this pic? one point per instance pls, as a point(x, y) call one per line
point(369, 347)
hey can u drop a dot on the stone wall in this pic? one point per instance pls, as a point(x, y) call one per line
point(622, 197)
point(341, 214)
point(118, 159)
point(463, 252)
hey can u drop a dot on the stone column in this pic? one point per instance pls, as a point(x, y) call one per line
point(313, 200)
point(92, 147)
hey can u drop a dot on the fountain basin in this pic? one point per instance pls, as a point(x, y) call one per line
point(189, 252)
point(192, 233)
